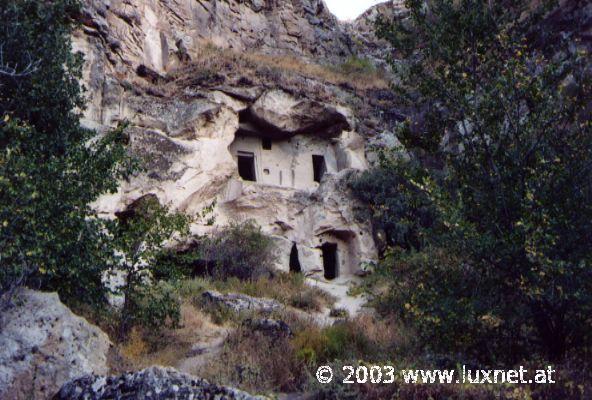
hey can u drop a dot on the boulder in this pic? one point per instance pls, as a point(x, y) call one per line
point(240, 302)
point(270, 327)
point(44, 345)
point(155, 383)
point(282, 116)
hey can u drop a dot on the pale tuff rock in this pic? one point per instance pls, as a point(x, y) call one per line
point(192, 147)
point(155, 383)
point(277, 155)
point(285, 116)
point(43, 345)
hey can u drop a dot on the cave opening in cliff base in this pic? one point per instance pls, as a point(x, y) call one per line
point(295, 266)
point(319, 167)
point(246, 166)
point(330, 260)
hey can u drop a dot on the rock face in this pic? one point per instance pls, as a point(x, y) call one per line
point(362, 30)
point(214, 127)
point(43, 345)
point(161, 34)
point(154, 383)
point(281, 114)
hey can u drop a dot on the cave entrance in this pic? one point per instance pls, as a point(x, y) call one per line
point(319, 167)
point(330, 260)
point(246, 166)
point(295, 266)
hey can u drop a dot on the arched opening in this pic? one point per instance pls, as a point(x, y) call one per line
point(295, 266)
point(330, 264)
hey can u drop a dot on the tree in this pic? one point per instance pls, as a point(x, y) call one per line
point(139, 236)
point(516, 198)
point(51, 169)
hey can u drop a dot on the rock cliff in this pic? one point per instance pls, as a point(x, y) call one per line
point(162, 34)
point(227, 107)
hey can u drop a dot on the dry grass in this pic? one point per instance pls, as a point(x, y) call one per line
point(282, 68)
point(289, 289)
point(257, 363)
point(261, 364)
point(143, 349)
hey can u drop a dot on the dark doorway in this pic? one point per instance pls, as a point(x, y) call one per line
point(246, 166)
point(266, 144)
point(319, 167)
point(295, 266)
point(330, 260)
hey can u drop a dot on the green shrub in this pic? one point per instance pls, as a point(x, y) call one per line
point(357, 65)
point(139, 235)
point(154, 307)
point(362, 337)
point(239, 250)
point(338, 313)
point(453, 308)
point(308, 300)
point(175, 265)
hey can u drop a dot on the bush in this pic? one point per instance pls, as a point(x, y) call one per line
point(154, 307)
point(139, 235)
point(308, 300)
point(176, 265)
point(239, 250)
point(468, 317)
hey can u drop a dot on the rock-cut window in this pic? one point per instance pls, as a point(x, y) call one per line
point(246, 166)
point(319, 167)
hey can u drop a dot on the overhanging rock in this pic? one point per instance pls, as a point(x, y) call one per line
point(283, 116)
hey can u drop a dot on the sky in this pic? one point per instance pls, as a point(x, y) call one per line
point(350, 9)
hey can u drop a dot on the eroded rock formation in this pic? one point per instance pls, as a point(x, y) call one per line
point(260, 145)
point(162, 34)
point(44, 345)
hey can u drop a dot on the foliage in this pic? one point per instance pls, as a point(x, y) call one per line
point(357, 65)
point(50, 169)
point(239, 250)
point(154, 307)
point(395, 205)
point(516, 197)
point(139, 235)
point(363, 337)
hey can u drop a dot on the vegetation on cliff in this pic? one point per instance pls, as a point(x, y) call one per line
point(51, 168)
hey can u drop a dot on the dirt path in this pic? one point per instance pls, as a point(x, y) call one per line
point(352, 304)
